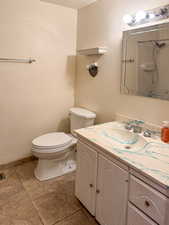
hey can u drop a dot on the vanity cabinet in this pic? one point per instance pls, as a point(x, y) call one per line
point(122, 187)
point(101, 186)
point(111, 193)
point(85, 185)
point(115, 196)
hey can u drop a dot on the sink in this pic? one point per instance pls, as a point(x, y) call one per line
point(125, 140)
point(122, 136)
point(116, 138)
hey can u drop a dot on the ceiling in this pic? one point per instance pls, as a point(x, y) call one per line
point(76, 4)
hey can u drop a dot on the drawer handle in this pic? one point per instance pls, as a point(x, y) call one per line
point(97, 191)
point(147, 204)
point(91, 185)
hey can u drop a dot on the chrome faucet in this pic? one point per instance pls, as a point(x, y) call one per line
point(134, 125)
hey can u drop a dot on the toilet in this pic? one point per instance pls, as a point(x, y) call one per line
point(56, 151)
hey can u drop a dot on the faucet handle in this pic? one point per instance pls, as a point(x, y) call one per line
point(134, 125)
point(139, 122)
point(138, 126)
point(147, 133)
point(128, 125)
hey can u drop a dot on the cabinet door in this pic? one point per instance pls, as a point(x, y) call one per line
point(85, 187)
point(112, 192)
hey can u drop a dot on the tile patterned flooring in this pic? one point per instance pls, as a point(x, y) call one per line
point(26, 201)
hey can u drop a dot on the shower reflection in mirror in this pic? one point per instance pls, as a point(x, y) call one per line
point(146, 62)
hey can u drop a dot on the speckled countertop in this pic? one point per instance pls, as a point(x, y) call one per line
point(150, 156)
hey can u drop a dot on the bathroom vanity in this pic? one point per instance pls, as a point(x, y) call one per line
point(122, 178)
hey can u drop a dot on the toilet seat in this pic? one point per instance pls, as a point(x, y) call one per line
point(54, 150)
point(51, 142)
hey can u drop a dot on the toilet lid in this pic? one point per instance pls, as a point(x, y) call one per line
point(52, 140)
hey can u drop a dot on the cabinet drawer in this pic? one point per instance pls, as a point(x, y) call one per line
point(135, 216)
point(150, 201)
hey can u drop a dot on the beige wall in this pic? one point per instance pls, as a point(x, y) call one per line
point(101, 25)
point(35, 98)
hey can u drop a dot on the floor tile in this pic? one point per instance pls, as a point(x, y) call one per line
point(37, 188)
point(57, 205)
point(19, 210)
point(78, 218)
point(26, 170)
point(26, 201)
point(89, 216)
point(26, 174)
point(5, 220)
point(10, 186)
point(54, 199)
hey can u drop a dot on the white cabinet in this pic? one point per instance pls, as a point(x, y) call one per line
point(102, 186)
point(112, 191)
point(85, 187)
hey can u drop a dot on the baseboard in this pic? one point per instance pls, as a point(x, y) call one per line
point(17, 162)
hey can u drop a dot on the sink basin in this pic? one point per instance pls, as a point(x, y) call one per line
point(125, 140)
point(122, 136)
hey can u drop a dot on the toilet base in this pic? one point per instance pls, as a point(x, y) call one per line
point(50, 168)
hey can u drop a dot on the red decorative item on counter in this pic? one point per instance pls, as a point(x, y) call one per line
point(165, 132)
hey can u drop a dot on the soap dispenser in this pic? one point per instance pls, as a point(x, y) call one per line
point(165, 132)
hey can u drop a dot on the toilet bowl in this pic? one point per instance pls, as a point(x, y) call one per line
point(56, 151)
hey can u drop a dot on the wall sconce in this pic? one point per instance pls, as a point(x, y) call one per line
point(142, 17)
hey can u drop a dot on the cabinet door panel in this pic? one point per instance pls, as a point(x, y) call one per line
point(111, 200)
point(85, 188)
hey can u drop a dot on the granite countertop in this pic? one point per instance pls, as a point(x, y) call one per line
point(150, 155)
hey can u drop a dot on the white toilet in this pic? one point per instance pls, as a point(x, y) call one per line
point(56, 151)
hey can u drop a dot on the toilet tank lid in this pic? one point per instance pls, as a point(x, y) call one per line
point(83, 113)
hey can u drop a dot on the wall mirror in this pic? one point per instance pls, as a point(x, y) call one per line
point(145, 62)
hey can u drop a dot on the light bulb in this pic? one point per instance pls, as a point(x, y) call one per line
point(140, 15)
point(128, 19)
point(151, 16)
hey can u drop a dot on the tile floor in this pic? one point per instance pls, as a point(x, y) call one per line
point(26, 201)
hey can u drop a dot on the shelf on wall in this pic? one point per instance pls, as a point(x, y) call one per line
point(93, 51)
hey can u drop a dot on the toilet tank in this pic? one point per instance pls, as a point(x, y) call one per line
point(80, 118)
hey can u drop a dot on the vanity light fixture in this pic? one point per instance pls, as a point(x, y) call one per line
point(146, 16)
